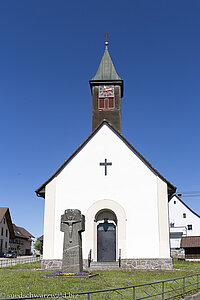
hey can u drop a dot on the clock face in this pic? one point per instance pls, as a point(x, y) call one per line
point(106, 91)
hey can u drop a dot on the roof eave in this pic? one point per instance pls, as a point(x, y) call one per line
point(41, 190)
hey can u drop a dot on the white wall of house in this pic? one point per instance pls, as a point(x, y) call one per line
point(184, 221)
point(4, 236)
point(143, 230)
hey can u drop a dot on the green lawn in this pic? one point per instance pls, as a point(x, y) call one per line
point(24, 279)
point(187, 265)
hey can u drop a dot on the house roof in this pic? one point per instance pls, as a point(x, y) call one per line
point(186, 206)
point(4, 211)
point(41, 190)
point(21, 232)
point(190, 242)
point(41, 238)
point(25, 232)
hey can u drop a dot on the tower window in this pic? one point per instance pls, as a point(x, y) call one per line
point(101, 103)
point(111, 103)
point(189, 227)
point(106, 103)
point(184, 215)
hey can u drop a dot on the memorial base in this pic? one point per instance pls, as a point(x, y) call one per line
point(71, 260)
point(51, 264)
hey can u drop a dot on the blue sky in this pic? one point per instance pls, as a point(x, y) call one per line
point(49, 51)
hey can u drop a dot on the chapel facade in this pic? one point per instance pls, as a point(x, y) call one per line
point(123, 197)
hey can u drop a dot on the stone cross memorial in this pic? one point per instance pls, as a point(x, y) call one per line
point(72, 224)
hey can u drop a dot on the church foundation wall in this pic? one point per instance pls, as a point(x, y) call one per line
point(147, 263)
point(129, 263)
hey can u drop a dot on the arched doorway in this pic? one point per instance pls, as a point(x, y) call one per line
point(106, 236)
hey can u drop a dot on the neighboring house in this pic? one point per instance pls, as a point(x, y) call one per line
point(183, 221)
point(22, 241)
point(6, 230)
point(191, 245)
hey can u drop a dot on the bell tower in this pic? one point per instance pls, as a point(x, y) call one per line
point(107, 91)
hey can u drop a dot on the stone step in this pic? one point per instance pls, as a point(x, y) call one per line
point(104, 265)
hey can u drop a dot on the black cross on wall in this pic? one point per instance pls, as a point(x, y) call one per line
point(105, 164)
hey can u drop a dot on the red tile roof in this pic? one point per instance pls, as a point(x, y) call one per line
point(21, 232)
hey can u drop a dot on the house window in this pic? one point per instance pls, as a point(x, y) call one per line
point(184, 215)
point(6, 232)
point(189, 227)
point(4, 220)
point(1, 231)
point(174, 201)
point(6, 245)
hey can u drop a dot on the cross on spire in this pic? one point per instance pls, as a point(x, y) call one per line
point(105, 164)
point(106, 35)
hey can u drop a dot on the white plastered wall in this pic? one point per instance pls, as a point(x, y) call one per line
point(163, 219)
point(49, 220)
point(130, 183)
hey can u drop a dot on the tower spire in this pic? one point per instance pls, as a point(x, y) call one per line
point(107, 91)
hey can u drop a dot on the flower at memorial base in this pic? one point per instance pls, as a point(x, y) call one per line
point(66, 274)
point(53, 274)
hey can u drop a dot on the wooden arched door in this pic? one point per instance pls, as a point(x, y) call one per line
point(106, 242)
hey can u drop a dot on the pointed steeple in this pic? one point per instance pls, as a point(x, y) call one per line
point(106, 72)
point(107, 91)
point(106, 69)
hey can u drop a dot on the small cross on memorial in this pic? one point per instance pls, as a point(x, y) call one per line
point(105, 164)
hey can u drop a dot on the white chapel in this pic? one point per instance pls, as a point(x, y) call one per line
point(123, 197)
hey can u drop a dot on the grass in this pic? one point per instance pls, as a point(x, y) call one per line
point(28, 266)
point(187, 265)
point(24, 279)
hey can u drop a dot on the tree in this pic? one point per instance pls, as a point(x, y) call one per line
point(38, 246)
